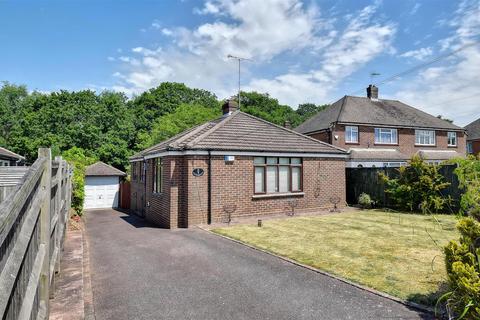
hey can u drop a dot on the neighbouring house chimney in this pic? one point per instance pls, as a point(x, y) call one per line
point(230, 106)
point(372, 92)
point(287, 124)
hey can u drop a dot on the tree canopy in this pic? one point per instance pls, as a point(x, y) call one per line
point(110, 127)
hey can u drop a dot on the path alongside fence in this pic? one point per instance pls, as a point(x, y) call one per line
point(33, 219)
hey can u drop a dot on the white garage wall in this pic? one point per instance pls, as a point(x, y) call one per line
point(101, 192)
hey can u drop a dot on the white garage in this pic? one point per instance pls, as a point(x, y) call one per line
point(102, 186)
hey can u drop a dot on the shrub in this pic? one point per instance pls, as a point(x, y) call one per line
point(468, 173)
point(418, 187)
point(462, 260)
point(365, 201)
point(79, 160)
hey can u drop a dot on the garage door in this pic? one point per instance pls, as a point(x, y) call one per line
point(101, 192)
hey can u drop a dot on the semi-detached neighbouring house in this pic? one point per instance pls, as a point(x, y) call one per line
point(237, 165)
point(473, 137)
point(384, 133)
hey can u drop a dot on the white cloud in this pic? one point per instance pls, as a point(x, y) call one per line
point(451, 88)
point(418, 54)
point(167, 32)
point(358, 43)
point(263, 30)
point(415, 8)
point(209, 8)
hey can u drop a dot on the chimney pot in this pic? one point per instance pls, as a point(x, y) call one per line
point(372, 92)
point(287, 124)
point(229, 106)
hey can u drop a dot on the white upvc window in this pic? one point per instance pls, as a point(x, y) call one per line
point(386, 136)
point(469, 148)
point(452, 139)
point(4, 163)
point(425, 137)
point(277, 175)
point(351, 134)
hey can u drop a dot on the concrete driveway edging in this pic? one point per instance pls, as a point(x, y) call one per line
point(325, 273)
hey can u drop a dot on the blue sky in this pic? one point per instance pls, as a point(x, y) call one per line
point(300, 51)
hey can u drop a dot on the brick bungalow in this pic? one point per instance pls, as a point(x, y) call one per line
point(237, 165)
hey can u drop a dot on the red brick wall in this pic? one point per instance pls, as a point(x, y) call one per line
point(476, 146)
point(232, 184)
point(184, 200)
point(322, 136)
point(406, 139)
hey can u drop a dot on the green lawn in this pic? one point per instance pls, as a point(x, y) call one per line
point(400, 254)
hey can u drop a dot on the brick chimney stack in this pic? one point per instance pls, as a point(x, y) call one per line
point(372, 92)
point(229, 106)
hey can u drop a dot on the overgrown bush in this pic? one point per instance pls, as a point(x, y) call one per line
point(462, 260)
point(418, 187)
point(468, 173)
point(365, 201)
point(77, 157)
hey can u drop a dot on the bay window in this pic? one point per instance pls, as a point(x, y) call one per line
point(452, 139)
point(386, 136)
point(351, 134)
point(277, 175)
point(425, 137)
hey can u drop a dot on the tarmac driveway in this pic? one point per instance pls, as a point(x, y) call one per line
point(142, 272)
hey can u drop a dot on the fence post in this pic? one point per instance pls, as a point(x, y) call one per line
point(61, 220)
point(45, 185)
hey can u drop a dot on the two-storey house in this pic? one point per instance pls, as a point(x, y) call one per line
point(473, 137)
point(384, 133)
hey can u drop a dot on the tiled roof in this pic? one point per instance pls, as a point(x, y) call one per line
point(102, 169)
point(9, 154)
point(376, 154)
point(242, 132)
point(473, 130)
point(439, 154)
point(362, 110)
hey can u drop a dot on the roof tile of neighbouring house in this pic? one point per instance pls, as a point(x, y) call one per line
point(7, 153)
point(102, 169)
point(473, 130)
point(439, 154)
point(362, 110)
point(242, 132)
point(376, 154)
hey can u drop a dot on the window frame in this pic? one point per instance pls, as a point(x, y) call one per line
point(134, 171)
point(277, 165)
point(379, 135)
point(142, 171)
point(356, 131)
point(418, 131)
point(157, 185)
point(469, 147)
point(455, 136)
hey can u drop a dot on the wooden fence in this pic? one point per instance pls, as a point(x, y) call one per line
point(366, 180)
point(10, 177)
point(33, 220)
